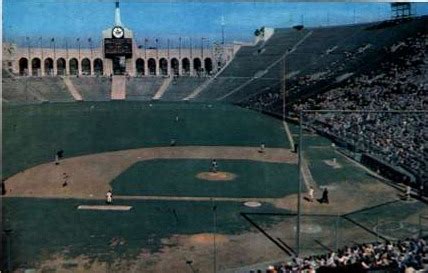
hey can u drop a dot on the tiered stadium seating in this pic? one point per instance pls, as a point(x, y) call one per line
point(30, 90)
point(142, 88)
point(17, 91)
point(320, 56)
point(51, 88)
point(93, 88)
point(181, 87)
point(250, 61)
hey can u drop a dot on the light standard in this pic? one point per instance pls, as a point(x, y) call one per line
point(78, 45)
point(41, 46)
point(54, 47)
point(214, 242)
point(179, 48)
point(202, 47)
point(299, 189)
point(29, 55)
point(145, 49)
point(157, 49)
point(90, 46)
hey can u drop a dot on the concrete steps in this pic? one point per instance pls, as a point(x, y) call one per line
point(162, 88)
point(118, 87)
point(72, 89)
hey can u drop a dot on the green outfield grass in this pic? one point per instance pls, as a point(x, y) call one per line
point(325, 174)
point(33, 133)
point(42, 227)
point(178, 178)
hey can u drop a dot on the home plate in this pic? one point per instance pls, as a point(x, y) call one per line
point(104, 207)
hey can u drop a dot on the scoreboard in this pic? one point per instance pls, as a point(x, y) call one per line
point(118, 47)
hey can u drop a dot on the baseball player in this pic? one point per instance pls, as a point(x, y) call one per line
point(109, 196)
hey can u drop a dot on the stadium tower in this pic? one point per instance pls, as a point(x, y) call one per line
point(118, 45)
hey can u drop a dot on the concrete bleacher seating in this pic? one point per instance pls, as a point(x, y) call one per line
point(51, 88)
point(143, 88)
point(323, 54)
point(17, 91)
point(34, 89)
point(93, 88)
point(181, 87)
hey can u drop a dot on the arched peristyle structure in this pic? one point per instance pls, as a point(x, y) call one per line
point(163, 65)
point(197, 65)
point(86, 67)
point(139, 67)
point(208, 64)
point(98, 67)
point(185, 66)
point(23, 66)
point(60, 67)
point(74, 66)
point(175, 67)
point(48, 66)
point(35, 66)
point(151, 64)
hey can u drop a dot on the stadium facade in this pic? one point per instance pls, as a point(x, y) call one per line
point(118, 54)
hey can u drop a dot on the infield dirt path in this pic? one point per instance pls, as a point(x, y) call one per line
point(89, 176)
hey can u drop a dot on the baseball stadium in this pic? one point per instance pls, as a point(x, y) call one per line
point(299, 145)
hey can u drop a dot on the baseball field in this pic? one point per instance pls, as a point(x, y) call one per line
point(170, 212)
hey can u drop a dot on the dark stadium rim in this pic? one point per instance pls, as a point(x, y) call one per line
point(368, 111)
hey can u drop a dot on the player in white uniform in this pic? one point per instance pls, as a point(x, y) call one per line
point(214, 166)
point(109, 196)
point(311, 194)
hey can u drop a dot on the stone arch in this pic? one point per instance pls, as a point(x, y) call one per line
point(74, 66)
point(139, 67)
point(49, 66)
point(175, 67)
point(151, 64)
point(185, 65)
point(208, 64)
point(86, 67)
point(36, 66)
point(98, 67)
point(197, 65)
point(23, 66)
point(60, 67)
point(163, 66)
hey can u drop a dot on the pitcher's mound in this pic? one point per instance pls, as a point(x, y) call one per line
point(208, 238)
point(218, 176)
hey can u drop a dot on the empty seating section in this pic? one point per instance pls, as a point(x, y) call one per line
point(220, 87)
point(143, 88)
point(181, 87)
point(18, 91)
point(29, 90)
point(93, 88)
point(324, 56)
point(51, 88)
point(252, 60)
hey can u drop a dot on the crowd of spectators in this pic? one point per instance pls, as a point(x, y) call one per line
point(402, 256)
point(399, 84)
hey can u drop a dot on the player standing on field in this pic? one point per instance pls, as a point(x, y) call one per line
point(109, 196)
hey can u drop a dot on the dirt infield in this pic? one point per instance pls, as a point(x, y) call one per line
point(216, 176)
point(89, 176)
